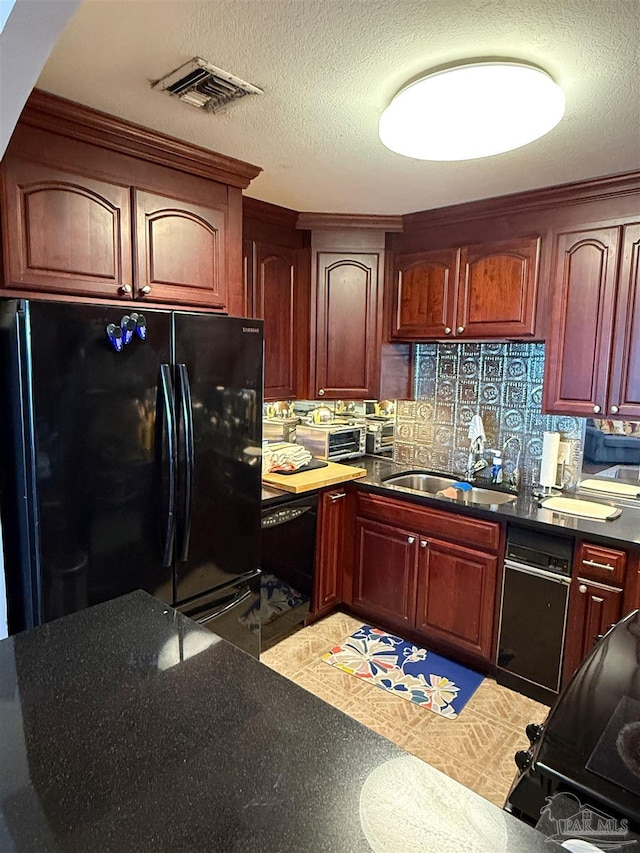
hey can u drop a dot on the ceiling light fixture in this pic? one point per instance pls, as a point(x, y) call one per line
point(477, 109)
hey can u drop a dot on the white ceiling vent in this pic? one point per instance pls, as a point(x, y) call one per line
point(201, 84)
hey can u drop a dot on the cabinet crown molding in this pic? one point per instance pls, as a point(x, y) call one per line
point(68, 118)
point(610, 186)
point(320, 221)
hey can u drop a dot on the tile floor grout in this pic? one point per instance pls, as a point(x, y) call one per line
point(476, 749)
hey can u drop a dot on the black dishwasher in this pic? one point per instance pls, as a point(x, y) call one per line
point(533, 612)
point(288, 547)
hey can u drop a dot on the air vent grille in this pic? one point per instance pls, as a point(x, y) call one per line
point(203, 85)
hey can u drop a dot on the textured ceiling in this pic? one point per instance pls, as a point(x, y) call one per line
point(328, 69)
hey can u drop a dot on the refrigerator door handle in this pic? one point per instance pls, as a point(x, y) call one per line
point(166, 384)
point(189, 461)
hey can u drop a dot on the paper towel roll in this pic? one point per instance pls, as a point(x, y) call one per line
point(549, 461)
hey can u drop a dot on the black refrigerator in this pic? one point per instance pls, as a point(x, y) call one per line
point(130, 458)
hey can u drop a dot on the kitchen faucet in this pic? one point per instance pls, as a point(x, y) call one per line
point(513, 479)
point(477, 439)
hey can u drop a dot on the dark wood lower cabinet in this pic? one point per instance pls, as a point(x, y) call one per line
point(593, 607)
point(385, 572)
point(441, 593)
point(456, 596)
point(327, 590)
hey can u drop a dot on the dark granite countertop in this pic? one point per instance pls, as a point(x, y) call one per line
point(127, 727)
point(524, 511)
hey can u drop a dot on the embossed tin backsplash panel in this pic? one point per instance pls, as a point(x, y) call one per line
point(500, 381)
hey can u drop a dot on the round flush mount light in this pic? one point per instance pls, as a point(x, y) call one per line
point(472, 110)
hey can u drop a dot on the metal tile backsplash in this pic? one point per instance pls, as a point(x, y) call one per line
point(500, 381)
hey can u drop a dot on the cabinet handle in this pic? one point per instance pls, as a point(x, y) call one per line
point(423, 543)
point(125, 288)
point(615, 410)
point(460, 329)
point(582, 588)
point(595, 565)
point(596, 409)
point(337, 497)
point(321, 392)
point(447, 330)
point(411, 540)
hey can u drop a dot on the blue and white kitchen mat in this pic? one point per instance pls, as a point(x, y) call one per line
point(406, 670)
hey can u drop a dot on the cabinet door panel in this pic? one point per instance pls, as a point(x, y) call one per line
point(329, 557)
point(624, 392)
point(578, 351)
point(424, 295)
point(180, 251)
point(347, 306)
point(456, 596)
point(497, 289)
point(275, 304)
point(385, 571)
point(593, 607)
point(65, 233)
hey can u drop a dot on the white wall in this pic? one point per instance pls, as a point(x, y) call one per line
point(26, 40)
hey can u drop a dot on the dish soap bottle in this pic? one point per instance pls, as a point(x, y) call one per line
point(496, 468)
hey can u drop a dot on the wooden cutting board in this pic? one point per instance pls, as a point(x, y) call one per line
point(585, 509)
point(306, 481)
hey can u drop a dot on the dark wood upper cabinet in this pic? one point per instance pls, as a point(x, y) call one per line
point(624, 387)
point(96, 207)
point(65, 233)
point(346, 329)
point(497, 289)
point(277, 290)
point(424, 295)
point(456, 596)
point(593, 360)
point(274, 301)
point(483, 291)
point(180, 253)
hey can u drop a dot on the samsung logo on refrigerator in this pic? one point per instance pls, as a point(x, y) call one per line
point(253, 329)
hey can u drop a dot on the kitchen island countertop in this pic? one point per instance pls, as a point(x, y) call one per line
point(127, 727)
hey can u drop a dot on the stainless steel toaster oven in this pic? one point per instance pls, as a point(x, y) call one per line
point(333, 442)
point(380, 436)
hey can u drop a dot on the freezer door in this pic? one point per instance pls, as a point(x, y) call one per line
point(219, 387)
point(232, 613)
point(101, 441)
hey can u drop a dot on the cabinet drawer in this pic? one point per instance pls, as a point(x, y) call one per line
point(597, 562)
point(462, 529)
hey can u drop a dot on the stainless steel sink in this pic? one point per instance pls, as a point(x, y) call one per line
point(487, 497)
point(433, 483)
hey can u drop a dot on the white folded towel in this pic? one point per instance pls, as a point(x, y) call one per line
point(285, 456)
